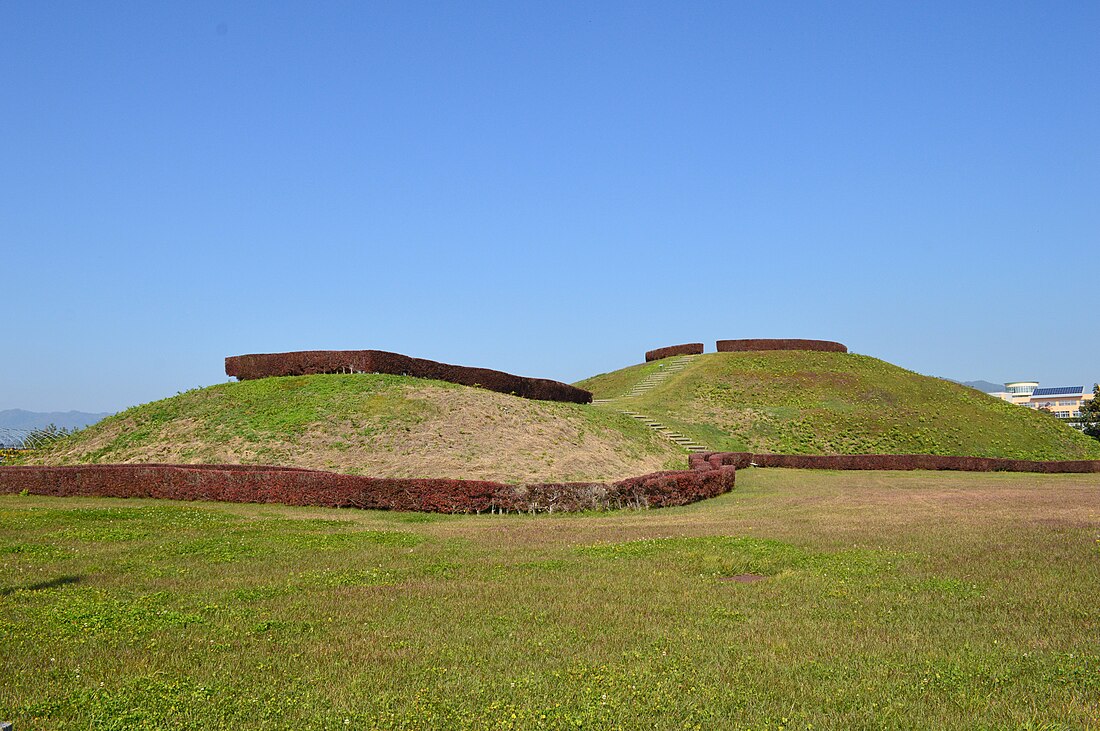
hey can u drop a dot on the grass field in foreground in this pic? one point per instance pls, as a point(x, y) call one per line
point(892, 600)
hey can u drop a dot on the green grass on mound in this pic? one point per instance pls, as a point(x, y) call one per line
point(835, 403)
point(886, 601)
point(378, 425)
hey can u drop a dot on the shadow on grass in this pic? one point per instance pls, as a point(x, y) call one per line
point(41, 585)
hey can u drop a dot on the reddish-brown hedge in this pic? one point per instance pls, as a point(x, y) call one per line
point(714, 460)
point(710, 475)
point(900, 462)
point(671, 350)
point(293, 486)
point(306, 362)
point(829, 346)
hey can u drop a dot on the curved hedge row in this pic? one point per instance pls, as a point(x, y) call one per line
point(294, 486)
point(829, 346)
point(710, 475)
point(308, 362)
point(897, 462)
point(671, 350)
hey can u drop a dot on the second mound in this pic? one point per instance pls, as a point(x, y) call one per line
point(800, 402)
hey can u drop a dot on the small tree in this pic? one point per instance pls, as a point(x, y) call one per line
point(1090, 414)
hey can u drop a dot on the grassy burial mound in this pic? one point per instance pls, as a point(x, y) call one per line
point(375, 425)
point(797, 402)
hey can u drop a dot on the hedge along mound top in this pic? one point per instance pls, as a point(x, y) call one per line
point(310, 362)
point(733, 346)
point(291, 486)
point(671, 350)
point(896, 462)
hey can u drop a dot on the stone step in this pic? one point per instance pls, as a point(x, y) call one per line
point(673, 436)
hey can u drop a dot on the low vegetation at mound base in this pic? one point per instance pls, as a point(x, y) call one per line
point(375, 425)
point(800, 600)
point(835, 403)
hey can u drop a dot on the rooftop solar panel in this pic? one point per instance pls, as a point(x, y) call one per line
point(1059, 391)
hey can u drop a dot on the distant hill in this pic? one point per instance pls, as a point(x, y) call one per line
point(799, 402)
point(20, 419)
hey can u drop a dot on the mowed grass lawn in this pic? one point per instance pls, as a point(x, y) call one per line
point(892, 600)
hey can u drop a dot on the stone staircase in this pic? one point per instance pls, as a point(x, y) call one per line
point(646, 385)
point(653, 380)
point(673, 436)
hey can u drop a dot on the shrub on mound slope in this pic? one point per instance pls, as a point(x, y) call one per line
point(375, 425)
point(835, 403)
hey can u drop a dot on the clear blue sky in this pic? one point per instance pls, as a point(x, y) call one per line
point(542, 188)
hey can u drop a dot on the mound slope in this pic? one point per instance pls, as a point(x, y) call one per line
point(375, 425)
point(796, 402)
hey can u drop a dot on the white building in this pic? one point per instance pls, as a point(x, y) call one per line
point(1065, 402)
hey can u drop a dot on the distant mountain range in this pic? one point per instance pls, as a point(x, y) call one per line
point(20, 419)
point(983, 386)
